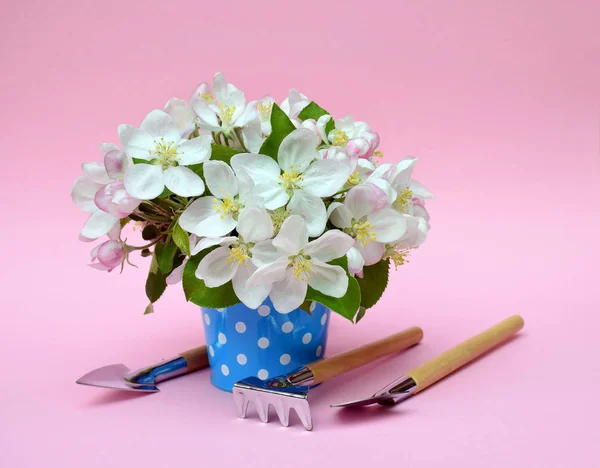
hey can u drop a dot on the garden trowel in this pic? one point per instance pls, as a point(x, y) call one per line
point(120, 377)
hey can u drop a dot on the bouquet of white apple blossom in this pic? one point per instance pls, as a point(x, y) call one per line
point(245, 201)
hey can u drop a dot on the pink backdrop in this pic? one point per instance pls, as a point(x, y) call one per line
point(500, 101)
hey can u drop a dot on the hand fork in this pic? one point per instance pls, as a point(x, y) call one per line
point(291, 390)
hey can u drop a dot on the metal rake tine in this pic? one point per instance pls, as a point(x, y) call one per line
point(283, 412)
point(303, 411)
point(241, 403)
point(262, 408)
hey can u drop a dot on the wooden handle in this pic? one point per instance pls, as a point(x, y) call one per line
point(196, 358)
point(453, 359)
point(354, 358)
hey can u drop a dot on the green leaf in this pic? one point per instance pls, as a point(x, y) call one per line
point(165, 193)
point(156, 283)
point(181, 239)
point(197, 292)
point(149, 309)
point(346, 306)
point(361, 313)
point(150, 232)
point(165, 253)
point(373, 283)
point(123, 221)
point(140, 161)
point(281, 126)
point(314, 111)
point(218, 153)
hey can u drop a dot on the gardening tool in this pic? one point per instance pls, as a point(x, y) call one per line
point(291, 390)
point(120, 377)
point(429, 373)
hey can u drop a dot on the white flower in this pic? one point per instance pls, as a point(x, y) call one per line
point(177, 274)
point(218, 215)
point(366, 215)
point(297, 176)
point(356, 138)
point(294, 104)
point(183, 115)
point(257, 130)
point(300, 264)
point(99, 192)
point(234, 259)
point(223, 109)
point(410, 194)
point(158, 141)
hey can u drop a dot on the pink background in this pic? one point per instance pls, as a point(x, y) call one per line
point(499, 99)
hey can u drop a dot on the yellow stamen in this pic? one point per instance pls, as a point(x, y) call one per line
point(354, 178)
point(364, 232)
point(278, 217)
point(378, 154)
point(226, 206)
point(340, 138)
point(264, 110)
point(165, 153)
point(403, 202)
point(302, 267)
point(226, 113)
point(398, 255)
point(238, 254)
point(206, 97)
point(291, 178)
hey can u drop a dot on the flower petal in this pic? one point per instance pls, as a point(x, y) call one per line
point(183, 181)
point(208, 118)
point(356, 262)
point(247, 115)
point(215, 270)
point(220, 179)
point(420, 190)
point(264, 253)
point(289, 293)
point(207, 242)
point(365, 199)
point(292, 237)
point(339, 215)
point(269, 274)
point(220, 89)
point(259, 167)
point(333, 244)
point(177, 274)
point(195, 151)
point(144, 181)
point(388, 225)
point(202, 219)
point(96, 172)
point(116, 161)
point(98, 225)
point(255, 224)
point(311, 209)
point(331, 280)
point(83, 192)
point(251, 297)
point(325, 177)
point(273, 194)
point(136, 142)
point(298, 149)
point(371, 253)
point(159, 124)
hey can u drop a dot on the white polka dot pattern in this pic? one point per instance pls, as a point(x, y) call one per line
point(263, 343)
point(263, 374)
point(242, 359)
point(264, 310)
point(240, 327)
point(225, 370)
point(306, 338)
point(206, 319)
point(319, 351)
point(285, 359)
point(222, 338)
point(287, 327)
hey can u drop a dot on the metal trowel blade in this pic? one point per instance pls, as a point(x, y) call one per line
point(113, 376)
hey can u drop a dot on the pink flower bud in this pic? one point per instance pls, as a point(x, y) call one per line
point(111, 254)
point(114, 199)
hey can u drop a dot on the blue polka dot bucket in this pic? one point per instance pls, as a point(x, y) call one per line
point(263, 343)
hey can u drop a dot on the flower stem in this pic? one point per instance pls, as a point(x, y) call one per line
point(238, 134)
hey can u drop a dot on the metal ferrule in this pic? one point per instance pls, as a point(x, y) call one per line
point(302, 376)
point(399, 390)
point(159, 372)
